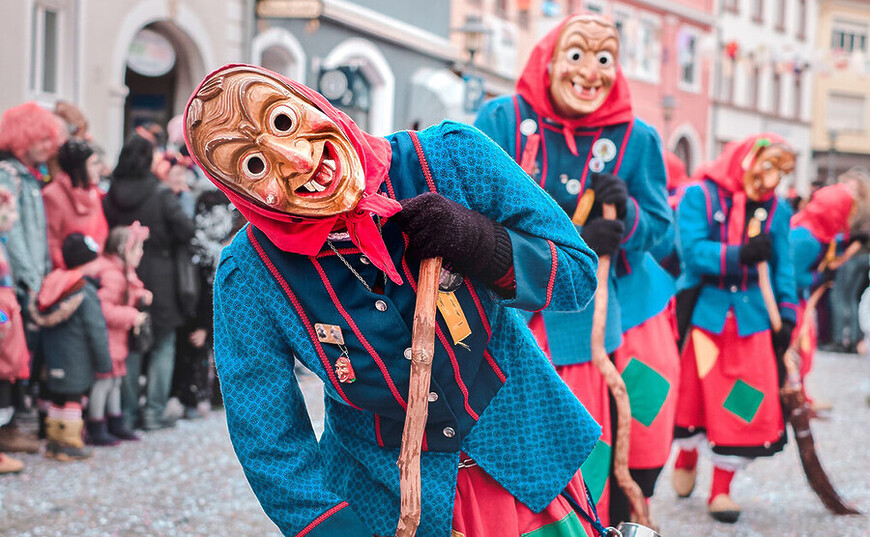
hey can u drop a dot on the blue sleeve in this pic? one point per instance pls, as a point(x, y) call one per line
point(265, 411)
point(647, 214)
point(698, 254)
point(805, 250)
point(782, 268)
point(552, 265)
point(497, 120)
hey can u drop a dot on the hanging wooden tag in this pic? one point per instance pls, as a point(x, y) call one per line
point(453, 315)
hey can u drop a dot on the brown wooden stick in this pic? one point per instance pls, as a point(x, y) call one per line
point(617, 388)
point(422, 353)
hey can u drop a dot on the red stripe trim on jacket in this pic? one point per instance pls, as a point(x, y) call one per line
point(544, 157)
point(625, 138)
point(424, 164)
point(299, 311)
point(319, 520)
point(636, 220)
point(488, 328)
point(554, 256)
point(358, 333)
point(378, 431)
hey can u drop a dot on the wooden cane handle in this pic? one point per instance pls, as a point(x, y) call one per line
point(769, 297)
point(581, 213)
point(422, 353)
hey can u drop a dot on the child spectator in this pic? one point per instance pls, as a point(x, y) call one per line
point(121, 292)
point(75, 343)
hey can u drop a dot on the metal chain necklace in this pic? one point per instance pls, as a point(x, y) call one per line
point(348, 265)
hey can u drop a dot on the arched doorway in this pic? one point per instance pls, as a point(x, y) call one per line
point(162, 69)
point(278, 50)
point(683, 150)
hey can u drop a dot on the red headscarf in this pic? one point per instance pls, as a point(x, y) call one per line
point(727, 172)
point(675, 171)
point(307, 236)
point(827, 213)
point(534, 86)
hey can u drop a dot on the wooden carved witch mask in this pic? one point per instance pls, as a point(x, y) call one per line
point(583, 68)
point(764, 167)
point(255, 134)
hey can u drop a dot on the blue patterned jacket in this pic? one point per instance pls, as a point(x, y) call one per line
point(635, 155)
point(496, 397)
point(706, 258)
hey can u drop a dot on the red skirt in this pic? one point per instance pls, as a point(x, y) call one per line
point(14, 356)
point(484, 508)
point(589, 386)
point(649, 363)
point(729, 386)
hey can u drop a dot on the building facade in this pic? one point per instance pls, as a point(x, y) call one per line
point(841, 92)
point(389, 65)
point(763, 82)
point(122, 62)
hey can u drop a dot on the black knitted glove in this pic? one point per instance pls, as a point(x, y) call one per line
point(756, 250)
point(603, 236)
point(472, 243)
point(782, 339)
point(609, 189)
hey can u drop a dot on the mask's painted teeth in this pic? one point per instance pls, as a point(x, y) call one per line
point(329, 163)
point(313, 186)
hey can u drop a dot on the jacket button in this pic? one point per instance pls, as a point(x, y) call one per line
point(364, 260)
point(449, 432)
point(407, 353)
point(433, 397)
point(733, 289)
point(380, 305)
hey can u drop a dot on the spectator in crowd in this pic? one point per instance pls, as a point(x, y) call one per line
point(137, 195)
point(73, 202)
point(75, 344)
point(215, 218)
point(121, 294)
point(13, 348)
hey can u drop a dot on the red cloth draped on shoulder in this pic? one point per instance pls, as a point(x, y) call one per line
point(306, 236)
point(534, 86)
point(727, 172)
point(827, 213)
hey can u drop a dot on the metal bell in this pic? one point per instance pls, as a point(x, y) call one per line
point(630, 529)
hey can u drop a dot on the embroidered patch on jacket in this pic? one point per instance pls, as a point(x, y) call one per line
point(647, 390)
point(743, 401)
point(596, 469)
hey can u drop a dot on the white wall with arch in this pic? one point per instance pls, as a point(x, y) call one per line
point(279, 50)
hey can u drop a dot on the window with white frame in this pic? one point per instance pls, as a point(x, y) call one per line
point(624, 22)
point(687, 57)
point(51, 48)
point(846, 112)
point(849, 36)
point(780, 15)
point(648, 53)
point(595, 6)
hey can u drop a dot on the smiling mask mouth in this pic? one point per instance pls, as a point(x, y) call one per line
point(586, 93)
point(324, 179)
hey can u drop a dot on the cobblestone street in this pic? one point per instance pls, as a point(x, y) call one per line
point(187, 482)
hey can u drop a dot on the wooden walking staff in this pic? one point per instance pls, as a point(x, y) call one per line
point(608, 370)
point(422, 352)
point(792, 395)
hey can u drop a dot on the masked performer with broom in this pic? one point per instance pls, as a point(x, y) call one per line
point(729, 386)
point(571, 127)
point(327, 273)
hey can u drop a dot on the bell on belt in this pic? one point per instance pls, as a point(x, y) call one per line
point(630, 529)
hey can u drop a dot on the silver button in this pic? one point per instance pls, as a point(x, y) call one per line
point(407, 353)
point(449, 432)
point(380, 305)
point(733, 288)
point(364, 260)
point(433, 397)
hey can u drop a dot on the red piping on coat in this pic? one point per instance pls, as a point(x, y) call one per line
point(317, 521)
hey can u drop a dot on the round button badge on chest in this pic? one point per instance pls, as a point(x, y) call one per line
point(380, 305)
point(449, 432)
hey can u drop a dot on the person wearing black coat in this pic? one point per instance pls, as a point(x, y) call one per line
point(137, 195)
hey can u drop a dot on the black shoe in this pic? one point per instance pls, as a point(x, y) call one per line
point(118, 429)
point(98, 434)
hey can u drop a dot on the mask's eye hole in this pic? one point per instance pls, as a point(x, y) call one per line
point(766, 165)
point(283, 119)
point(254, 166)
point(605, 59)
point(574, 55)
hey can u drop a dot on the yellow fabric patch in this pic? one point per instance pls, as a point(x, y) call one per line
point(453, 315)
point(706, 352)
point(454, 533)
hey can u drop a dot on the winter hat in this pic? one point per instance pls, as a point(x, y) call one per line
point(78, 250)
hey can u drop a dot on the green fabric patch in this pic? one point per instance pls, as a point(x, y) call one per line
point(743, 401)
point(569, 526)
point(596, 469)
point(647, 390)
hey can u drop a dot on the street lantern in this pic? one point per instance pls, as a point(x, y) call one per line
point(474, 32)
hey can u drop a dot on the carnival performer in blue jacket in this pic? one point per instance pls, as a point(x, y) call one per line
point(571, 127)
point(326, 274)
point(729, 386)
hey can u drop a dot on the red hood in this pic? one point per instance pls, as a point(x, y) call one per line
point(534, 86)
point(84, 200)
point(58, 285)
point(675, 172)
point(727, 172)
point(307, 236)
point(827, 213)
